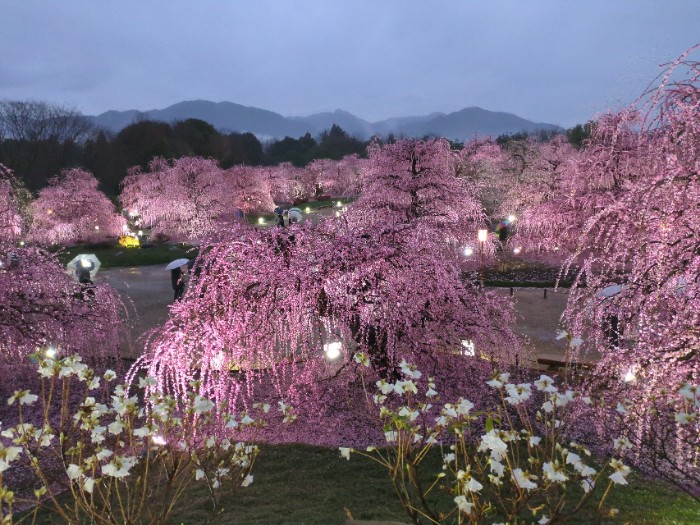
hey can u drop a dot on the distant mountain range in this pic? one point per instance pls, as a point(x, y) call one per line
point(229, 117)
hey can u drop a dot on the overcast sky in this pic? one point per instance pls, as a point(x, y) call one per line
point(551, 61)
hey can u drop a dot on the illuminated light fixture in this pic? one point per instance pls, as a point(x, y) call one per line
point(468, 251)
point(49, 211)
point(261, 220)
point(332, 350)
point(21, 243)
point(218, 361)
point(125, 228)
point(517, 250)
point(307, 210)
point(630, 376)
point(97, 228)
point(140, 233)
point(51, 352)
point(337, 214)
point(85, 263)
point(158, 440)
point(482, 235)
point(468, 347)
point(133, 213)
point(511, 218)
point(338, 204)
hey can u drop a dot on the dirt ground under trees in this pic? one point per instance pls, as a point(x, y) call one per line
point(148, 291)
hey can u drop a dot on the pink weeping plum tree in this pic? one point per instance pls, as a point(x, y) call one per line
point(183, 199)
point(384, 279)
point(637, 298)
point(72, 209)
point(11, 220)
point(561, 189)
point(251, 190)
point(483, 163)
point(42, 307)
point(338, 178)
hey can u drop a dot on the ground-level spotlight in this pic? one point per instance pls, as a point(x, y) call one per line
point(217, 362)
point(307, 210)
point(140, 233)
point(630, 375)
point(511, 218)
point(339, 204)
point(51, 352)
point(468, 347)
point(517, 250)
point(333, 350)
point(261, 220)
point(468, 251)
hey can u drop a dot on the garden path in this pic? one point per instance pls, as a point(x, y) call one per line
point(148, 289)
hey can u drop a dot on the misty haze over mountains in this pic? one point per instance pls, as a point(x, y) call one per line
point(228, 117)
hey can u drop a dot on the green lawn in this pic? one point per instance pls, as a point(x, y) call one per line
point(113, 255)
point(305, 485)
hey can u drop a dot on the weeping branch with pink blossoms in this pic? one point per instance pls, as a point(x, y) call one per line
point(42, 307)
point(385, 279)
point(72, 209)
point(637, 298)
point(11, 220)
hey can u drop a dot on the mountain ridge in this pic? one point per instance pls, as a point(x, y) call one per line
point(227, 116)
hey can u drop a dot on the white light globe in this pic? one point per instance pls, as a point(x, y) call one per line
point(332, 350)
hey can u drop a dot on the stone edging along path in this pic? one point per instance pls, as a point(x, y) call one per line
point(148, 289)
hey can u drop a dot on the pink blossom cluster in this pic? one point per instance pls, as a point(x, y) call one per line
point(72, 209)
point(45, 310)
point(384, 278)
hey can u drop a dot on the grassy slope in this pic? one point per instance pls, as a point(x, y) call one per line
point(304, 485)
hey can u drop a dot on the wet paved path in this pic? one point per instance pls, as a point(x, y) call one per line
point(148, 289)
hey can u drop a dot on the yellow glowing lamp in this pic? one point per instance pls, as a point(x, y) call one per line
point(128, 241)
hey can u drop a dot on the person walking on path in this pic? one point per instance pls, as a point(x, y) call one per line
point(177, 278)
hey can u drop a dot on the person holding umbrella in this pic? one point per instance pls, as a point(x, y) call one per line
point(83, 270)
point(178, 269)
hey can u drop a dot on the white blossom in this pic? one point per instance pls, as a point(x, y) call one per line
point(24, 398)
point(463, 505)
point(518, 393)
point(622, 443)
point(464, 406)
point(523, 480)
point(685, 418)
point(554, 471)
point(621, 470)
point(119, 466)
point(202, 405)
point(499, 380)
point(74, 471)
point(545, 384)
